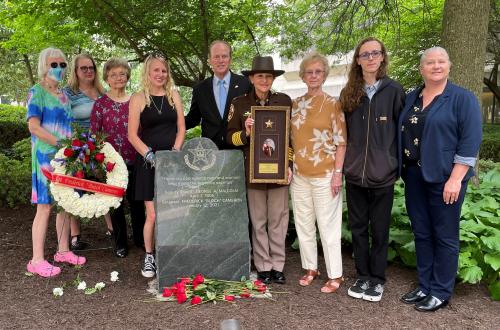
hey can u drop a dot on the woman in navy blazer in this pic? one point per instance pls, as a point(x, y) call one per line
point(439, 138)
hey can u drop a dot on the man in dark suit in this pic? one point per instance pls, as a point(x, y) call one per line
point(212, 97)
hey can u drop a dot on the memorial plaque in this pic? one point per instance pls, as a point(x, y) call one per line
point(201, 213)
point(269, 144)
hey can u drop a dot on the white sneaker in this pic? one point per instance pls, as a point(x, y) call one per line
point(148, 267)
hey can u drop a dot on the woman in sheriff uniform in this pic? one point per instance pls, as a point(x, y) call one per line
point(267, 202)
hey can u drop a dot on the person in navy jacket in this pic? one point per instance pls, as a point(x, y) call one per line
point(440, 133)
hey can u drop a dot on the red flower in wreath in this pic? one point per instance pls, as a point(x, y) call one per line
point(77, 143)
point(80, 174)
point(86, 159)
point(196, 300)
point(68, 152)
point(110, 166)
point(91, 145)
point(99, 157)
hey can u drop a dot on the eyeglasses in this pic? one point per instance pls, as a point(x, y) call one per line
point(315, 72)
point(366, 55)
point(86, 69)
point(116, 76)
point(62, 65)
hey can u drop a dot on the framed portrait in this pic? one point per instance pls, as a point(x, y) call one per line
point(269, 144)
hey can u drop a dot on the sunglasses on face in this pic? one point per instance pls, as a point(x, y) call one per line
point(86, 69)
point(62, 65)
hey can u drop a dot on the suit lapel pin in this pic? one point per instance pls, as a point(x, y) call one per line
point(235, 86)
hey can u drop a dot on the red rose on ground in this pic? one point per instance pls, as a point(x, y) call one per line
point(185, 280)
point(173, 288)
point(110, 166)
point(68, 152)
point(262, 288)
point(181, 298)
point(80, 174)
point(196, 300)
point(257, 283)
point(91, 145)
point(76, 143)
point(245, 295)
point(229, 298)
point(167, 292)
point(198, 279)
point(99, 157)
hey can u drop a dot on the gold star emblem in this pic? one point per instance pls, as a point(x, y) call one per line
point(247, 114)
point(269, 123)
point(415, 141)
point(413, 120)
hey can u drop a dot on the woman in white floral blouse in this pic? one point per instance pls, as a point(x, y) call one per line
point(319, 142)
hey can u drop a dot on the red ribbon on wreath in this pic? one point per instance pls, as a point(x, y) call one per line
point(82, 184)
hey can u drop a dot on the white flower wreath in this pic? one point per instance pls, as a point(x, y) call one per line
point(90, 205)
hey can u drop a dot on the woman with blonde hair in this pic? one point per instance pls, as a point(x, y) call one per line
point(49, 120)
point(157, 110)
point(83, 89)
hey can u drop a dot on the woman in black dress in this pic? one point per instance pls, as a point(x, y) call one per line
point(155, 122)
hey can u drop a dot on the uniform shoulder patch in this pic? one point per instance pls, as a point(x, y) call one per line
point(231, 113)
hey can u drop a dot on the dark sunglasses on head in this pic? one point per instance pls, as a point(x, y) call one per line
point(62, 65)
point(87, 68)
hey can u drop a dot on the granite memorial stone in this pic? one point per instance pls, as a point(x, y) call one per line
point(201, 213)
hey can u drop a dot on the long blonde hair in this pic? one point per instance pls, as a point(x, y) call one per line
point(73, 78)
point(146, 83)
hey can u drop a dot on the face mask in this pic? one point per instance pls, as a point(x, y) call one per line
point(56, 74)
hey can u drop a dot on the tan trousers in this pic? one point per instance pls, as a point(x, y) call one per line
point(269, 217)
point(312, 201)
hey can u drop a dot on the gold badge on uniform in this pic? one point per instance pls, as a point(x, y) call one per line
point(231, 113)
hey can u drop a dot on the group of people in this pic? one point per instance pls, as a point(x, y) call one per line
point(368, 138)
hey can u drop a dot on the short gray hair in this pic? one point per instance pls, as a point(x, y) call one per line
point(43, 66)
point(434, 49)
point(313, 57)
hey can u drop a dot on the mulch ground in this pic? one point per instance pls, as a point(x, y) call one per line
point(27, 302)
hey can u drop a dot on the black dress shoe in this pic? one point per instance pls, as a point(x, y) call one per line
point(413, 297)
point(430, 304)
point(121, 252)
point(278, 277)
point(264, 277)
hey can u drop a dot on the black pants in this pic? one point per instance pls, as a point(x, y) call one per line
point(137, 214)
point(436, 227)
point(369, 212)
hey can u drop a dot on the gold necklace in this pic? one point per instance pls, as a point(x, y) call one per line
point(154, 104)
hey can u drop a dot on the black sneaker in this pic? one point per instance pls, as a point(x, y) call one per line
point(358, 289)
point(374, 293)
point(148, 267)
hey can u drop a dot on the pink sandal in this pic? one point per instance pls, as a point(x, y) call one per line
point(43, 268)
point(70, 258)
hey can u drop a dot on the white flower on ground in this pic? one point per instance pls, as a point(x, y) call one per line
point(100, 285)
point(58, 292)
point(114, 276)
point(82, 285)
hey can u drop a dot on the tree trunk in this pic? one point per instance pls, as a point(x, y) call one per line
point(26, 61)
point(464, 36)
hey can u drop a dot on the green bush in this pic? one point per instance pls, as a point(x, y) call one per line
point(15, 177)
point(13, 126)
point(490, 146)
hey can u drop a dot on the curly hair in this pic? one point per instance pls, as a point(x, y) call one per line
point(351, 94)
point(146, 83)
